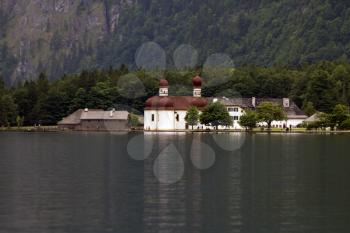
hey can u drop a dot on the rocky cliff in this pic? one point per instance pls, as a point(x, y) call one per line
point(55, 36)
point(65, 36)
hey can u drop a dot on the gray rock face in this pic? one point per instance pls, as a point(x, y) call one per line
point(53, 35)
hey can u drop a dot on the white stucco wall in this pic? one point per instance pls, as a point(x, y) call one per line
point(166, 120)
point(163, 120)
point(233, 114)
point(288, 123)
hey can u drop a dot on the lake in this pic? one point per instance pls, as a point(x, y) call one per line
point(167, 182)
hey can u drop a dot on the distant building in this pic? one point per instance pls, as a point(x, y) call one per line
point(95, 120)
point(237, 106)
point(164, 112)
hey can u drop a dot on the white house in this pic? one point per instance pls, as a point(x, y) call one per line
point(168, 113)
point(237, 106)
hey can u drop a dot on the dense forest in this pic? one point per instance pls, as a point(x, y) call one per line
point(313, 87)
point(58, 37)
point(261, 32)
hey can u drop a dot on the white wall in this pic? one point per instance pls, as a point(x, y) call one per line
point(279, 124)
point(163, 120)
point(233, 114)
point(181, 124)
point(166, 120)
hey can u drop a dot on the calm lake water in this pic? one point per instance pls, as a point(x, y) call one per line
point(186, 183)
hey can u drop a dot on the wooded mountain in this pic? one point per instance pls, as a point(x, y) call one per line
point(65, 36)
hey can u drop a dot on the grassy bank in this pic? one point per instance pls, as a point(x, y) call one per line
point(29, 129)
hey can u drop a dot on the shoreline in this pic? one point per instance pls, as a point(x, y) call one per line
point(52, 129)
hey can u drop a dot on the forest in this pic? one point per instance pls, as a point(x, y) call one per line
point(261, 32)
point(319, 86)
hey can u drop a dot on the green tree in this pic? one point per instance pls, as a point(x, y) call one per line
point(249, 119)
point(341, 74)
point(345, 125)
point(268, 112)
point(215, 114)
point(8, 110)
point(134, 120)
point(309, 108)
point(2, 84)
point(339, 114)
point(19, 121)
point(192, 116)
point(322, 91)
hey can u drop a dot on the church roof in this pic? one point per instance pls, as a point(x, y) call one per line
point(174, 102)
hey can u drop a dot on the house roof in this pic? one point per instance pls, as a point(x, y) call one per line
point(240, 102)
point(72, 119)
point(313, 118)
point(93, 114)
point(292, 112)
point(104, 115)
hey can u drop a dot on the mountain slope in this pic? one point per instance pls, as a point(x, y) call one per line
point(64, 36)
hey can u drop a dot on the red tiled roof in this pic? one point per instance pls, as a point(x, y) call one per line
point(174, 102)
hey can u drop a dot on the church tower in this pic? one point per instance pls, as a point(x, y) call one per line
point(197, 86)
point(163, 87)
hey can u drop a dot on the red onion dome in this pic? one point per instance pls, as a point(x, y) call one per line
point(150, 102)
point(165, 102)
point(159, 102)
point(163, 83)
point(199, 102)
point(197, 81)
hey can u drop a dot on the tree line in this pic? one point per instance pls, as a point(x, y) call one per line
point(313, 87)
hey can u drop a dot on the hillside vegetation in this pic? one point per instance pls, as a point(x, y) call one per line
point(313, 87)
point(66, 36)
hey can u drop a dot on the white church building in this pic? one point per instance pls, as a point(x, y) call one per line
point(167, 113)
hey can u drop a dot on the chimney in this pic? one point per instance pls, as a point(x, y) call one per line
point(286, 102)
point(111, 113)
point(254, 102)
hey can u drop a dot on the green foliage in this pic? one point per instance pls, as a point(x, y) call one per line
point(319, 86)
point(249, 119)
point(8, 110)
point(134, 120)
point(19, 121)
point(192, 116)
point(321, 90)
point(339, 114)
point(215, 114)
point(251, 32)
point(268, 112)
point(345, 125)
point(309, 108)
point(314, 125)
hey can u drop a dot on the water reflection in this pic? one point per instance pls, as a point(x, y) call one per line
point(85, 183)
